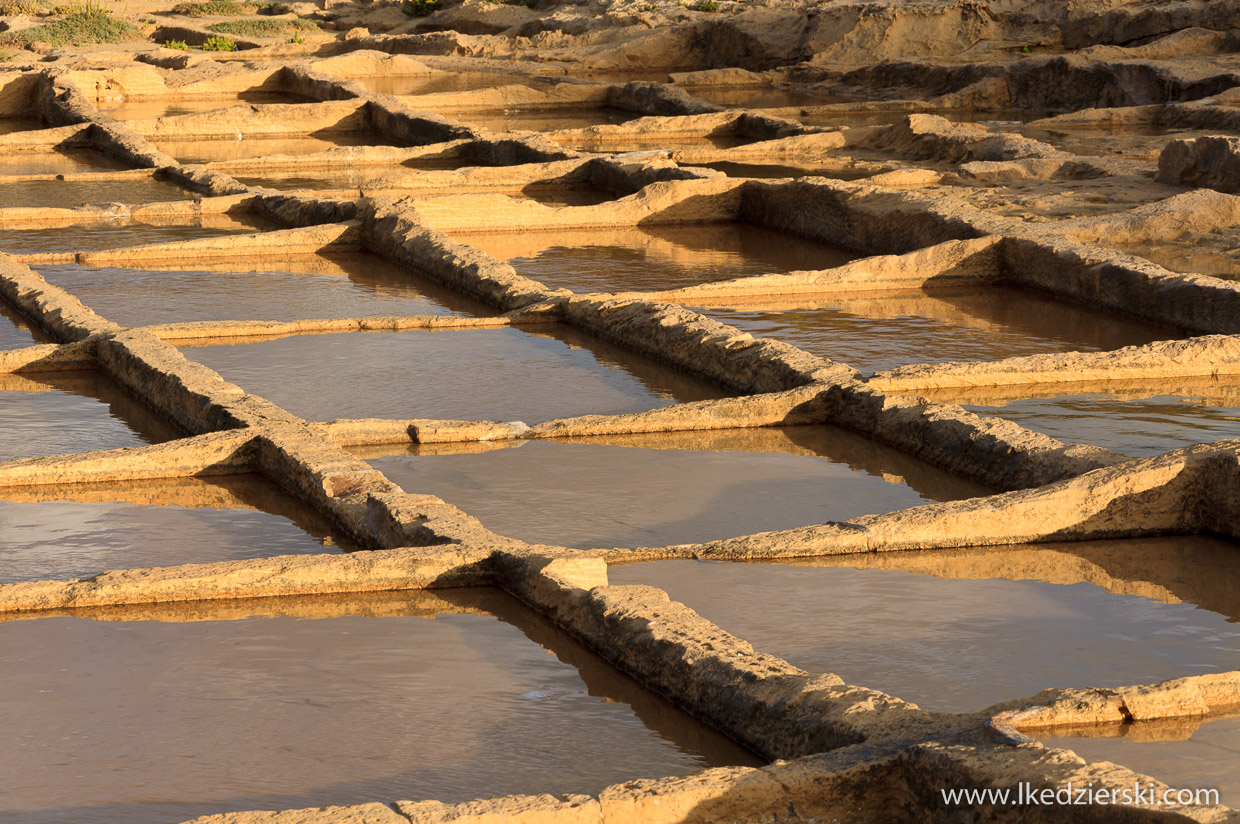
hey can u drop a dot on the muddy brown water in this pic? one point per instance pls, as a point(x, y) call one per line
point(960, 630)
point(90, 237)
point(654, 258)
point(762, 97)
point(549, 371)
point(70, 194)
point(80, 530)
point(784, 170)
point(1182, 753)
point(208, 151)
point(16, 331)
point(1215, 256)
point(873, 332)
point(339, 286)
point(1140, 420)
point(11, 125)
point(419, 84)
point(53, 412)
point(59, 162)
point(151, 109)
point(499, 120)
point(160, 714)
point(662, 489)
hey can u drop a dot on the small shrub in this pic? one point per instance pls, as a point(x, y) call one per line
point(221, 8)
point(1027, 49)
point(179, 45)
point(85, 21)
point(270, 27)
point(708, 5)
point(296, 38)
point(16, 7)
point(420, 8)
point(221, 44)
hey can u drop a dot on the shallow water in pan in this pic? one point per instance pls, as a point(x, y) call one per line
point(463, 374)
point(1185, 753)
point(155, 715)
point(1136, 419)
point(652, 259)
point(90, 237)
point(655, 490)
point(295, 288)
point(79, 530)
point(53, 412)
point(961, 630)
point(16, 331)
point(207, 151)
point(70, 194)
point(875, 332)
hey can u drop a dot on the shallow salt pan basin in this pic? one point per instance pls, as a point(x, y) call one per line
point(959, 631)
point(70, 194)
point(466, 374)
point(156, 715)
point(1139, 420)
point(339, 286)
point(882, 331)
point(16, 331)
point(61, 161)
point(55, 412)
point(207, 151)
point(540, 121)
point(90, 237)
point(151, 109)
point(80, 530)
point(655, 490)
point(652, 259)
point(418, 84)
point(1185, 753)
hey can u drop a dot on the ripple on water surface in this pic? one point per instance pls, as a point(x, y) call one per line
point(295, 288)
point(656, 490)
point(160, 714)
point(885, 330)
point(654, 258)
point(91, 237)
point(461, 374)
point(79, 530)
point(961, 630)
point(54, 412)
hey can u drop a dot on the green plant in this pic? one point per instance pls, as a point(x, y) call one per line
point(296, 38)
point(16, 7)
point(219, 44)
point(706, 5)
point(269, 27)
point(84, 21)
point(221, 8)
point(179, 45)
point(649, 7)
point(420, 8)
point(1027, 49)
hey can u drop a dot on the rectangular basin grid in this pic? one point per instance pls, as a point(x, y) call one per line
point(783, 712)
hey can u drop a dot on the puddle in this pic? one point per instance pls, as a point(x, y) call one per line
point(462, 374)
point(584, 196)
point(878, 331)
point(1210, 255)
point(1184, 753)
point(1135, 141)
point(784, 170)
point(152, 109)
point(663, 489)
point(70, 194)
point(762, 97)
point(1139, 420)
point(54, 412)
point(16, 331)
point(80, 530)
point(655, 258)
point(419, 84)
point(59, 162)
point(10, 125)
point(960, 630)
point(296, 288)
point(541, 121)
point(210, 151)
point(160, 714)
point(90, 237)
point(316, 179)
